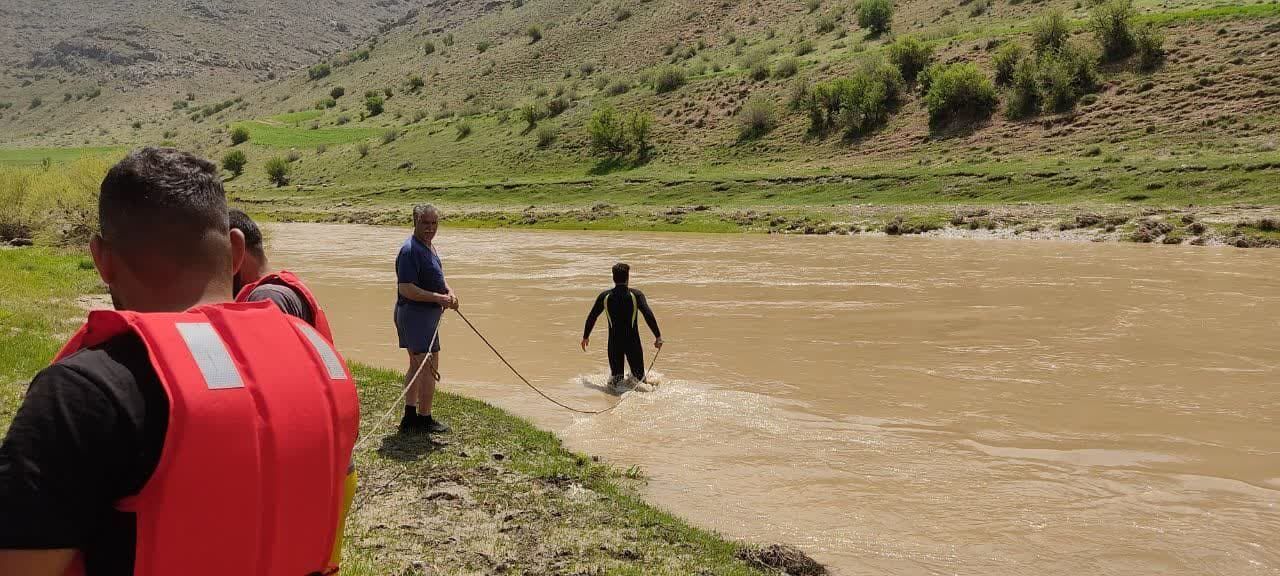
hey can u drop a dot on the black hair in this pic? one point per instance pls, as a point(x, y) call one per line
point(252, 235)
point(164, 202)
point(621, 273)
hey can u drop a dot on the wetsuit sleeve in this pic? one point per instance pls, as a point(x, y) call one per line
point(595, 314)
point(56, 461)
point(649, 318)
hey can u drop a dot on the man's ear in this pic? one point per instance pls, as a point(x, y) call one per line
point(237, 250)
point(102, 258)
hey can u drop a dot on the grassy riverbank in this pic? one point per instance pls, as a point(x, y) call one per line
point(495, 496)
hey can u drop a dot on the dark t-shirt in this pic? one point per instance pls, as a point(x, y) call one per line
point(286, 300)
point(418, 264)
point(89, 433)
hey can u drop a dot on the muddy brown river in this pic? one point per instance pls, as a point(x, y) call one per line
point(889, 405)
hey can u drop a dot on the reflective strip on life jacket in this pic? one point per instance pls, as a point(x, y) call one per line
point(263, 417)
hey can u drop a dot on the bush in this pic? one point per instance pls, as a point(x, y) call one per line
point(482, 46)
point(1064, 77)
point(813, 5)
point(322, 148)
point(362, 149)
point(1149, 42)
point(798, 93)
point(1110, 22)
point(390, 135)
point(546, 136)
point(876, 15)
point(857, 104)
point(639, 125)
point(234, 162)
point(342, 119)
point(373, 103)
point(325, 103)
point(910, 55)
point(319, 71)
point(786, 68)
point(1024, 96)
point(429, 48)
point(557, 106)
point(278, 171)
point(824, 24)
point(1049, 32)
point(416, 83)
point(803, 48)
point(668, 78)
point(239, 135)
point(293, 156)
point(607, 132)
point(35, 103)
point(447, 40)
point(617, 88)
point(337, 92)
point(531, 113)
point(756, 63)
point(1005, 61)
point(534, 33)
point(586, 69)
point(756, 118)
point(463, 128)
point(959, 93)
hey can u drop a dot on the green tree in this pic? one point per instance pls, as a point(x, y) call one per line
point(278, 171)
point(239, 135)
point(234, 161)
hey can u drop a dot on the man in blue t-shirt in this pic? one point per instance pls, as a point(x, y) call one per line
point(423, 296)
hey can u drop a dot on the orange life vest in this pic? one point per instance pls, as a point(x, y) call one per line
point(287, 278)
point(263, 417)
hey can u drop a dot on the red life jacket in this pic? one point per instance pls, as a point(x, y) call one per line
point(287, 278)
point(263, 417)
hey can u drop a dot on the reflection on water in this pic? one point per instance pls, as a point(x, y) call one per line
point(891, 405)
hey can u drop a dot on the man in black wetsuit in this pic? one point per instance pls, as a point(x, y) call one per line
point(622, 306)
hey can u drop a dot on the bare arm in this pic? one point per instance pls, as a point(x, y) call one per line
point(413, 292)
point(36, 562)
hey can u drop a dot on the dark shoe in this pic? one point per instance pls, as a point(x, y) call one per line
point(431, 425)
point(410, 424)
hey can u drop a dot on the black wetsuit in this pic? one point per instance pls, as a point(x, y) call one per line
point(623, 305)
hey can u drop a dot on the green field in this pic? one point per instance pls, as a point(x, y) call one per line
point(279, 136)
point(37, 156)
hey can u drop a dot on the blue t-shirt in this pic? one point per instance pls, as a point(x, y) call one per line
point(420, 265)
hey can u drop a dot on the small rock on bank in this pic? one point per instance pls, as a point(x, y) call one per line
point(788, 559)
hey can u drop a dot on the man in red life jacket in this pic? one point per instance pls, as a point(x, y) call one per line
point(181, 433)
point(254, 282)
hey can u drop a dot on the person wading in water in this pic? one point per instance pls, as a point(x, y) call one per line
point(622, 306)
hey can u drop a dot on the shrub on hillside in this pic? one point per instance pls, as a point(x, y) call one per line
point(462, 128)
point(586, 69)
point(959, 93)
point(607, 132)
point(876, 15)
point(1110, 22)
point(319, 71)
point(857, 104)
point(531, 113)
point(798, 93)
point(546, 136)
point(756, 118)
point(35, 103)
point(390, 135)
point(803, 47)
point(534, 32)
point(1149, 42)
point(324, 103)
point(824, 24)
point(1050, 32)
point(447, 40)
point(483, 46)
point(910, 55)
point(786, 68)
point(278, 171)
point(1024, 90)
point(239, 135)
point(1065, 76)
point(415, 83)
point(617, 88)
point(373, 103)
point(668, 78)
point(429, 48)
point(557, 106)
point(1005, 61)
point(756, 63)
point(362, 149)
point(813, 5)
point(234, 162)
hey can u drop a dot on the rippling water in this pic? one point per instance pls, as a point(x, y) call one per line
point(890, 405)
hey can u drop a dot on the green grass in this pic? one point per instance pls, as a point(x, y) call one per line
point(513, 474)
point(278, 136)
point(298, 117)
point(38, 288)
point(36, 156)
